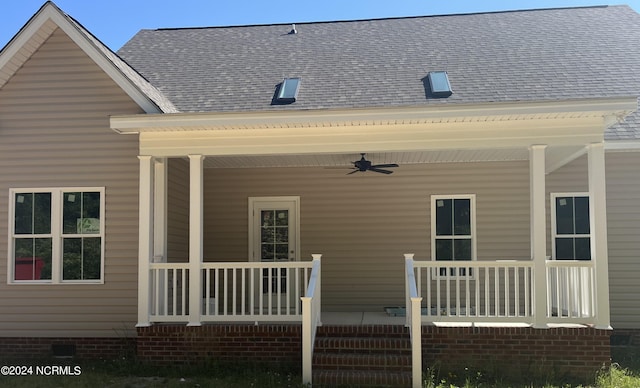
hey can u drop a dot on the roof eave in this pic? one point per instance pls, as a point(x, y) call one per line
point(611, 109)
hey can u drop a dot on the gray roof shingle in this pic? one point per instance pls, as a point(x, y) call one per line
point(552, 54)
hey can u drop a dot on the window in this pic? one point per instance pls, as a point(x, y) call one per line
point(571, 226)
point(453, 229)
point(57, 235)
point(439, 83)
point(288, 91)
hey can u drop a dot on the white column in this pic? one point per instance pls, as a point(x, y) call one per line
point(538, 233)
point(196, 184)
point(145, 238)
point(598, 225)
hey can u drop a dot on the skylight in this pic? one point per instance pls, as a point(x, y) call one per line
point(288, 91)
point(439, 83)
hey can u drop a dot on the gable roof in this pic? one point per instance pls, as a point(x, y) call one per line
point(48, 19)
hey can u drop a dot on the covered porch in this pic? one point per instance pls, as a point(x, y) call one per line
point(354, 230)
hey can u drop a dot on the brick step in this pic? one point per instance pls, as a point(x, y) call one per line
point(366, 378)
point(362, 345)
point(368, 331)
point(355, 361)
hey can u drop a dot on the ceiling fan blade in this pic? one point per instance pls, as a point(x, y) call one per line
point(380, 170)
point(385, 165)
point(353, 172)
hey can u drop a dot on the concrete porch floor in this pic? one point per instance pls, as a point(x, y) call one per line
point(360, 318)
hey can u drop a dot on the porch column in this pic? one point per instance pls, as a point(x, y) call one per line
point(196, 183)
point(538, 233)
point(145, 238)
point(598, 225)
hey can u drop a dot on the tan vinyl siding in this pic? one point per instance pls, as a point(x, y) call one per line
point(623, 212)
point(178, 210)
point(364, 223)
point(54, 132)
point(623, 223)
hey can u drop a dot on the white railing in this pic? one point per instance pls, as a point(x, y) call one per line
point(571, 293)
point(502, 291)
point(414, 321)
point(311, 319)
point(471, 291)
point(232, 292)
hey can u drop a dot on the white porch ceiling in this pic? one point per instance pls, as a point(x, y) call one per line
point(556, 157)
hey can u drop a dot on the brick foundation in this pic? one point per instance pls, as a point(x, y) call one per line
point(83, 348)
point(268, 344)
point(551, 353)
point(548, 353)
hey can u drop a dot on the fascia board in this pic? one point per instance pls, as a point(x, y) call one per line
point(608, 107)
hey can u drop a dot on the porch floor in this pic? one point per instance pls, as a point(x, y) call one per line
point(357, 318)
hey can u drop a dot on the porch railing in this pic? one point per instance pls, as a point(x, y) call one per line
point(243, 291)
point(502, 291)
point(414, 321)
point(311, 319)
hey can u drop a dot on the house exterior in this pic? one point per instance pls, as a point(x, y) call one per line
point(179, 188)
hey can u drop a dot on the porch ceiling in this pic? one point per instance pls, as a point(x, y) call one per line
point(556, 157)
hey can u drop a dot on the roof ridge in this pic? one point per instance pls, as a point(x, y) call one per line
point(381, 18)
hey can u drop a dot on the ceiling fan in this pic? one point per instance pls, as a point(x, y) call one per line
point(364, 165)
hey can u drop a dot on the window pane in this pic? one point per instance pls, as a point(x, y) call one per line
point(71, 213)
point(582, 215)
point(24, 213)
point(564, 215)
point(444, 249)
point(42, 213)
point(90, 213)
point(462, 249)
point(81, 258)
point(72, 259)
point(91, 254)
point(282, 217)
point(583, 248)
point(444, 220)
point(462, 217)
point(32, 259)
point(564, 249)
point(81, 213)
point(33, 213)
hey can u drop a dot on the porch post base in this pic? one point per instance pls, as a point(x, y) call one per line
point(143, 324)
point(194, 324)
point(603, 327)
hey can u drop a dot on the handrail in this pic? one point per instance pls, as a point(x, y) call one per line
point(414, 320)
point(231, 291)
point(310, 319)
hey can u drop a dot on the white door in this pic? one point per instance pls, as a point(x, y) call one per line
point(274, 223)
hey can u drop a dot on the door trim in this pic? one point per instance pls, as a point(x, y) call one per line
point(250, 217)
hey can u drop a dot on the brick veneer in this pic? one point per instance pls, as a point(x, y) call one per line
point(269, 343)
point(525, 351)
point(85, 348)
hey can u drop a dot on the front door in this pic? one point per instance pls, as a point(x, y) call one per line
point(274, 237)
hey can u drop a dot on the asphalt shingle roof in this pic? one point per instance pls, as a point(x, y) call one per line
point(553, 54)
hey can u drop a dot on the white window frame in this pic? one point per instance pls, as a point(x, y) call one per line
point(473, 237)
point(56, 234)
point(554, 233)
